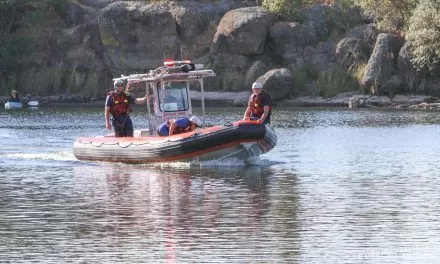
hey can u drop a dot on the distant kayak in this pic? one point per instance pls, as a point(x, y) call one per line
point(13, 105)
point(33, 103)
point(19, 105)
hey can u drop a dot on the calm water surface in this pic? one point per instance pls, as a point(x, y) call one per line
point(340, 187)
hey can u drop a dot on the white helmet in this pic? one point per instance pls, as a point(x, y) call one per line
point(118, 82)
point(257, 85)
point(196, 121)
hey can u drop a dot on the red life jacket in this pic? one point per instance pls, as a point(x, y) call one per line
point(256, 104)
point(120, 103)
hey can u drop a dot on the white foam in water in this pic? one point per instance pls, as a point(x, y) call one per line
point(222, 163)
point(212, 163)
point(230, 162)
point(61, 155)
point(175, 164)
point(68, 156)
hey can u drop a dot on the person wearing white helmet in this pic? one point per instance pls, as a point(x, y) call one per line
point(259, 105)
point(118, 105)
point(177, 126)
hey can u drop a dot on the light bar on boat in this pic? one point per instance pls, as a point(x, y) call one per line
point(172, 63)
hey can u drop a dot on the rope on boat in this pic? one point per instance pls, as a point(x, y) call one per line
point(121, 145)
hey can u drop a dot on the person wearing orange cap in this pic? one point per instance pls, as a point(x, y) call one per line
point(259, 106)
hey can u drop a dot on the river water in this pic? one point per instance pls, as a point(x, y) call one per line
point(341, 186)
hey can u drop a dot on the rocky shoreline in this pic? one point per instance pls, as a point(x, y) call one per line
point(239, 99)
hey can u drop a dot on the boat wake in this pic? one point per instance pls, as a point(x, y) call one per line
point(194, 164)
point(230, 162)
point(227, 163)
point(57, 156)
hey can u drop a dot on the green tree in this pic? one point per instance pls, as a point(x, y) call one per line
point(424, 35)
point(391, 14)
point(287, 8)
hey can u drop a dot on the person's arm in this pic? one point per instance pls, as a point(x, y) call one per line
point(108, 125)
point(247, 113)
point(266, 109)
point(264, 116)
point(141, 100)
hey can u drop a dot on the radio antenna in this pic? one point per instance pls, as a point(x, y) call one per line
point(181, 53)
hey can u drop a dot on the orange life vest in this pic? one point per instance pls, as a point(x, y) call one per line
point(256, 104)
point(120, 104)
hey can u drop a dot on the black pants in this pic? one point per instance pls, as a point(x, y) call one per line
point(123, 126)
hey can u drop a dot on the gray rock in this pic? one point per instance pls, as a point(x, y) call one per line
point(278, 83)
point(382, 63)
point(243, 31)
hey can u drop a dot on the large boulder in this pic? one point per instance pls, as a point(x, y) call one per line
point(352, 52)
point(243, 31)
point(288, 37)
point(278, 83)
point(382, 63)
point(355, 48)
point(137, 35)
point(196, 23)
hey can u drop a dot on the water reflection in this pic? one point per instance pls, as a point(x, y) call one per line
point(188, 195)
point(167, 209)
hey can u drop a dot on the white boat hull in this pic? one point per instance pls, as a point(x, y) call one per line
point(13, 105)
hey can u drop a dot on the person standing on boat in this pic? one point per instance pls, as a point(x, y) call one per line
point(14, 97)
point(117, 104)
point(177, 126)
point(259, 105)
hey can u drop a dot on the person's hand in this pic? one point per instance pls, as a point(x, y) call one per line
point(259, 121)
point(108, 125)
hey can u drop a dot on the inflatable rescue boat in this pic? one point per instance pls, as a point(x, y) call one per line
point(243, 140)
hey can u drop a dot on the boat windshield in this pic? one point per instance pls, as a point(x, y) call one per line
point(174, 97)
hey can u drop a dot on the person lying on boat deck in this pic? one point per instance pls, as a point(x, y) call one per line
point(118, 104)
point(259, 106)
point(177, 126)
point(14, 97)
